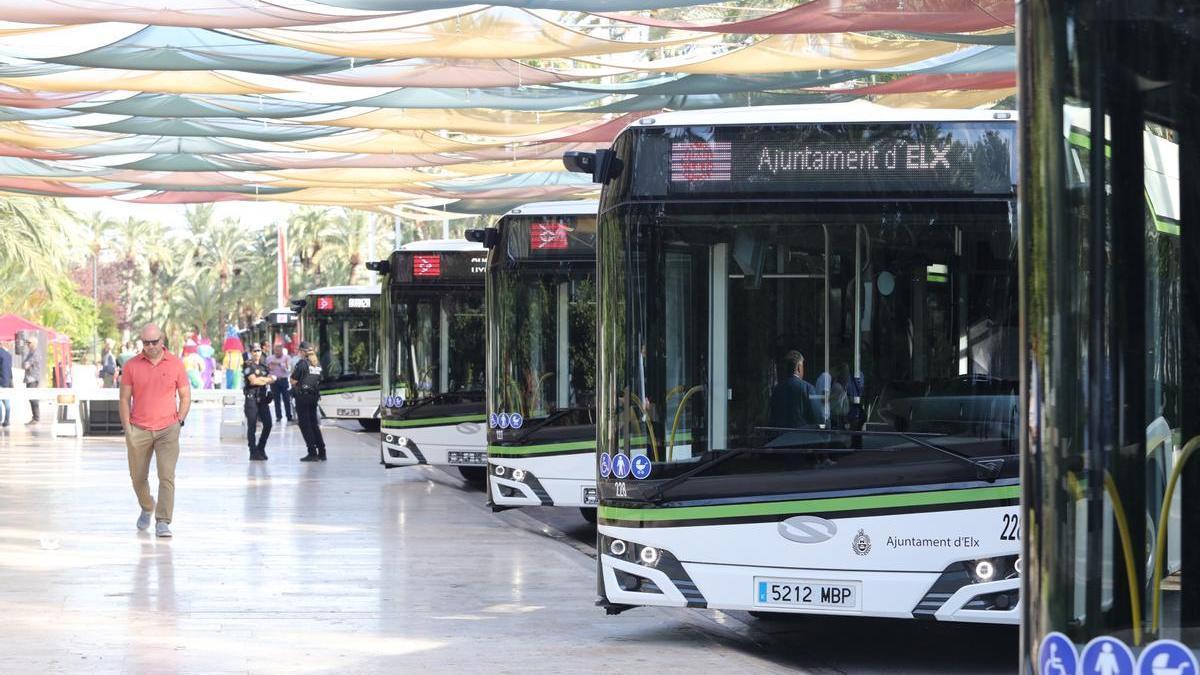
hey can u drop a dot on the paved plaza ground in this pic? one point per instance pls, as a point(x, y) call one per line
point(344, 567)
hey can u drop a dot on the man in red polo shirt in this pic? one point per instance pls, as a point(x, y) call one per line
point(155, 398)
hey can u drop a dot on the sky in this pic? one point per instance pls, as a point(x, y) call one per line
point(171, 215)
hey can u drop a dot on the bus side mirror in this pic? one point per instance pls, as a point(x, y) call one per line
point(489, 236)
point(298, 305)
point(380, 266)
point(603, 165)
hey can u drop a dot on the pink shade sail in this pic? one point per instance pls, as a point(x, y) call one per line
point(190, 198)
point(838, 16)
point(51, 188)
point(10, 150)
point(190, 13)
point(603, 133)
point(15, 97)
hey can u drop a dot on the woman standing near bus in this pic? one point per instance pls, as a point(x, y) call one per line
point(306, 390)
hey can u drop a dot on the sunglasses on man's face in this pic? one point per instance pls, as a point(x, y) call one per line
point(151, 343)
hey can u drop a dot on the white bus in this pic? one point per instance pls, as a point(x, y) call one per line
point(341, 322)
point(433, 357)
point(808, 362)
point(541, 327)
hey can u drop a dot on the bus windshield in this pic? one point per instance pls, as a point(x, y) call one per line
point(438, 347)
point(847, 342)
point(544, 344)
point(346, 346)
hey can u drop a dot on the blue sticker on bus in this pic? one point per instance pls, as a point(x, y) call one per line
point(1106, 656)
point(1167, 657)
point(493, 420)
point(515, 420)
point(1057, 655)
point(621, 466)
point(605, 466)
point(641, 467)
point(502, 420)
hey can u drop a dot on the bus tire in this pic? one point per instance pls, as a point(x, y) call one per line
point(588, 513)
point(369, 424)
point(475, 475)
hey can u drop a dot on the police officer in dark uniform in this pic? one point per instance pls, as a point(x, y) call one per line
point(257, 387)
point(306, 383)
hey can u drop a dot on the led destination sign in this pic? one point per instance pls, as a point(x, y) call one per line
point(550, 237)
point(448, 266)
point(971, 158)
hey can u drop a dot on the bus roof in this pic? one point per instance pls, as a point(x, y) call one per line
point(560, 208)
point(362, 289)
point(442, 245)
point(821, 113)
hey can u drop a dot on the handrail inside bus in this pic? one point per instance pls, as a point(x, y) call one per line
point(649, 425)
point(1160, 538)
point(678, 412)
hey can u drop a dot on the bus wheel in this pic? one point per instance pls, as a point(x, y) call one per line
point(369, 424)
point(589, 513)
point(475, 475)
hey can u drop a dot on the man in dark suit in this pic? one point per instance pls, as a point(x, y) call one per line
point(792, 403)
point(5, 381)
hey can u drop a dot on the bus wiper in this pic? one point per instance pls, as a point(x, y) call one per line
point(988, 470)
point(554, 415)
point(712, 460)
point(426, 401)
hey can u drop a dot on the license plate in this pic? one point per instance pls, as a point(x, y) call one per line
point(590, 496)
point(461, 457)
point(799, 593)
point(347, 412)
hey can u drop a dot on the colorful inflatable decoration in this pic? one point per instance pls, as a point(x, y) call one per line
point(231, 359)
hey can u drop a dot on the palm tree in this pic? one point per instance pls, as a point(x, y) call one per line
point(305, 230)
point(132, 235)
point(345, 237)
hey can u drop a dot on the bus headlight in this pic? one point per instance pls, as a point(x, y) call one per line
point(518, 475)
point(500, 471)
point(616, 547)
point(984, 570)
point(649, 555)
point(402, 441)
point(1017, 565)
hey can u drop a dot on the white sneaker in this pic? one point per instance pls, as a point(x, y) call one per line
point(162, 529)
point(144, 520)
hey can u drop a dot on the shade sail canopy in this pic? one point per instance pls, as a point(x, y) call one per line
point(376, 103)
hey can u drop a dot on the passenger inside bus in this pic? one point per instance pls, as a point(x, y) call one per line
point(792, 403)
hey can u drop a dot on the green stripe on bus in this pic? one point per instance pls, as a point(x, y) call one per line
point(431, 421)
point(348, 390)
point(812, 505)
point(545, 448)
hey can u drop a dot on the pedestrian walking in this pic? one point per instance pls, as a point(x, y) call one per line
point(277, 366)
point(155, 399)
point(306, 388)
point(6, 381)
point(32, 364)
point(108, 365)
point(257, 389)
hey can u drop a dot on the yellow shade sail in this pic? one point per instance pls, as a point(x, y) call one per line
point(788, 53)
point(477, 121)
point(946, 99)
point(494, 32)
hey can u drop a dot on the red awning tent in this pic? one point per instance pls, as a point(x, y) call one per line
point(11, 323)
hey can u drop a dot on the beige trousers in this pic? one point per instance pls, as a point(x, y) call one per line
point(142, 444)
